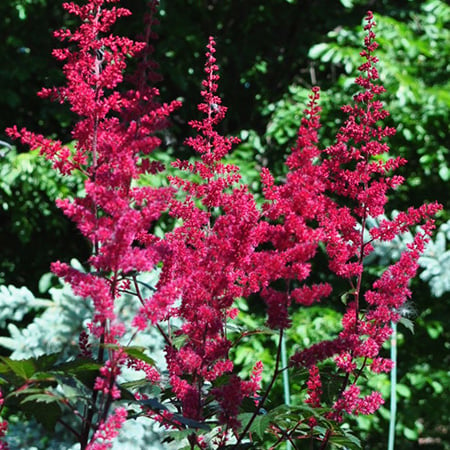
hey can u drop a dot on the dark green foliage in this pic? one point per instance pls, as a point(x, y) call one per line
point(33, 232)
point(27, 65)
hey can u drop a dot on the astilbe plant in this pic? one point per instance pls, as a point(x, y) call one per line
point(210, 252)
point(356, 179)
point(222, 247)
point(114, 136)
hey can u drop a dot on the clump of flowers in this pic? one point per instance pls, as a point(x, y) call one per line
point(211, 252)
point(355, 184)
point(114, 137)
point(223, 247)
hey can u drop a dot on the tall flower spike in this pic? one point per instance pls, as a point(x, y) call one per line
point(210, 144)
point(292, 209)
point(211, 249)
point(114, 136)
point(356, 184)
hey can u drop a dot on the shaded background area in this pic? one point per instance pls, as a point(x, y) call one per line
point(270, 54)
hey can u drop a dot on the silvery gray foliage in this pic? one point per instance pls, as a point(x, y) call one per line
point(15, 303)
point(56, 328)
point(436, 262)
point(29, 435)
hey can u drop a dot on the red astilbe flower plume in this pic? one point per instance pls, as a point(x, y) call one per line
point(114, 136)
point(356, 183)
point(211, 250)
point(296, 204)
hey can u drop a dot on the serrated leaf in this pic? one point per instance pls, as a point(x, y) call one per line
point(23, 368)
point(125, 394)
point(244, 418)
point(135, 384)
point(79, 365)
point(41, 398)
point(48, 415)
point(321, 430)
point(348, 441)
point(248, 405)
point(177, 435)
point(295, 411)
point(151, 288)
point(43, 377)
point(260, 425)
point(83, 369)
point(27, 391)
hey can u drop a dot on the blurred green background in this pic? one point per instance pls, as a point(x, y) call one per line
point(270, 55)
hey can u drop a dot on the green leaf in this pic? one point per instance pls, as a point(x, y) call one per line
point(444, 172)
point(347, 296)
point(244, 446)
point(178, 436)
point(154, 404)
point(348, 441)
point(260, 424)
point(138, 353)
point(23, 368)
point(84, 369)
point(73, 388)
point(191, 423)
point(45, 282)
point(317, 50)
point(45, 412)
point(26, 391)
point(135, 384)
point(79, 365)
point(41, 398)
point(408, 135)
point(410, 434)
point(438, 388)
point(403, 390)
point(347, 3)
point(434, 329)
